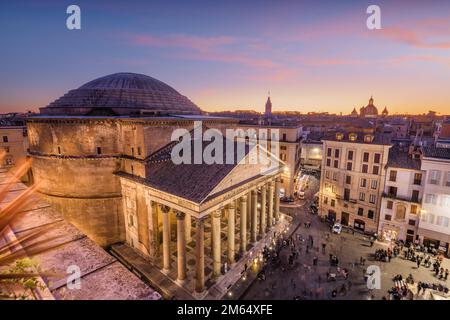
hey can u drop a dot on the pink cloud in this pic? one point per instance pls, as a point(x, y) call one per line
point(208, 48)
point(313, 61)
point(421, 33)
point(183, 41)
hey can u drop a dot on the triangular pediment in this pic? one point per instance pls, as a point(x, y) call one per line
point(258, 162)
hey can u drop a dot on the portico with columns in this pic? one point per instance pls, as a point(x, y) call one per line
point(197, 238)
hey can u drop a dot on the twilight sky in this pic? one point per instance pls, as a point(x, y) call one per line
point(227, 55)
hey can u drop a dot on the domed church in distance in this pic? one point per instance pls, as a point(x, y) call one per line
point(101, 156)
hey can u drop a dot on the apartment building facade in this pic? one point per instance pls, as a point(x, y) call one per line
point(352, 178)
point(402, 195)
point(434, 225)
point(289, 137)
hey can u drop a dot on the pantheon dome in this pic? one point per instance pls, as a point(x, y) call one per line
point(122, 94)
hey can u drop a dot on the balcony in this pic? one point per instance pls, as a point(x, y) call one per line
point(396, 197)
point(417, 182)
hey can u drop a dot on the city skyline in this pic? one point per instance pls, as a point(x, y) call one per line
point(319, 57)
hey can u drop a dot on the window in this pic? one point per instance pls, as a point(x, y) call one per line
point(445, 222)
point(362, 196)
point(447, 181)
point(5, 138)
point(388, 217)
point(335, 176)
point(347, 194)
point(336, 153)
point(327, 174)
point(392, 192)
point(430, 198)
point(435, 176)
point(333, 188)
point(132, 169)
point(328, 162)
point(389, 204)
point(400, 213)
point(412, 222)
point(366, 157)
point(99, 150)
point(283, 148)
point(430, 218)
point(445, 201)
point(370, 214)
point(377, 158)
point(131, 220)
point(350, 155)
point(283, 156)
point(333, 202)
point(139, 151)
point(413, 209)
point(348, 179)
point(393, 175)
point(7, 149)
point(132, 151)
point(374, 184)
point(363, 183)
point(349, 166)
point(59, 150)
point(365, 168)
point(360, 211)
point(418, 179)
point(372, 198)
point(284, 136)
point(415, 196)
point(329, 152)
point(336, 163)
point(375, 169)
point(325, 200)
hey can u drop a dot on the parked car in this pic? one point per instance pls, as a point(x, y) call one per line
point(287, 199)
point(337, 228)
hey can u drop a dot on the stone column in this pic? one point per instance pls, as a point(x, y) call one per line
point(200, 256)
point(188, 222)
point(231, 209)
point(277, 199)
point(270, 205)
point(249, 210)
point(243, 246)
point(215, 224)
point(262, 217)
point(181, 246)
point(166, 238)
point(254, 215)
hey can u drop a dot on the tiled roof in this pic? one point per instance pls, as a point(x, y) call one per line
point(399, 158)
point(433, 152)
point(193, 182)
point(378, 138)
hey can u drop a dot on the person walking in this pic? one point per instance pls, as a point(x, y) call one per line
point(323, 247)
point(446, 274)
point(315, 261)
point(418, 263)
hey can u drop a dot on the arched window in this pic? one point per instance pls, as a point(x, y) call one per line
point(400, 213)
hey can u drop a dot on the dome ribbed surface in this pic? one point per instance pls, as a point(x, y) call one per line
point(123, 94)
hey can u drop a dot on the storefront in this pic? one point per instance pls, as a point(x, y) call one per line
point(359, 225)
